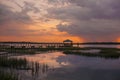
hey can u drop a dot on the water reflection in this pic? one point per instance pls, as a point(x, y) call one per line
point(37, 72)
point(46, 58)
point(58, 66)
point(103, 46)
point(39, 65)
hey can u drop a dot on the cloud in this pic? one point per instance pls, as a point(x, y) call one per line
point(101, 9)
point(7, 15)
point(94, 20)
point(21, 19)
point(100, 30)
point(17, 23)
point(13, 23)
point(84, 9)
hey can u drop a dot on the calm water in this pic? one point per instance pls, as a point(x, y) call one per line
point(58, 66)
point(104, 46)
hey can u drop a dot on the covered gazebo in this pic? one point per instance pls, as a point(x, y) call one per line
point(68, 43)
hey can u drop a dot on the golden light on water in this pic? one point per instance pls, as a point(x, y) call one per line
point(48, 58)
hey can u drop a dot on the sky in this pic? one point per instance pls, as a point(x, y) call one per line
point(57, 20)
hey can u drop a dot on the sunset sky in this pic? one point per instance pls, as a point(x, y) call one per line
point(57, 20)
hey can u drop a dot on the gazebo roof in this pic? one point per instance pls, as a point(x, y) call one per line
point(67, 40)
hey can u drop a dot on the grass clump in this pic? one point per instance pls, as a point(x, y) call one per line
point(12, 62)
point(7, 76)
point(105, 53)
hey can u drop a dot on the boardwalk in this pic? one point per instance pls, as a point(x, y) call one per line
point(31, 45)
point(45, 45)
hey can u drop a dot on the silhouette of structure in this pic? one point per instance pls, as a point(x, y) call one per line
point(65, 43)
point(68, 43)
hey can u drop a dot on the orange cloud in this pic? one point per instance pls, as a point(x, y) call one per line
point(118, 40)
point(40, 38)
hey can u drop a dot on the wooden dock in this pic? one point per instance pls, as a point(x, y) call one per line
point(46, 45)
point(32, 45)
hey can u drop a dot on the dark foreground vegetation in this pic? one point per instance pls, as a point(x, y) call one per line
point(13, 63)
point(7, 76)
point(10, 63)
point(105, 52)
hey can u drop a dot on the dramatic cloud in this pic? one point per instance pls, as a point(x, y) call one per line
point(92, 9)
point(17, 23)
point(94, 20)
point(7, 15)
point(93, 30)
point(101, 9)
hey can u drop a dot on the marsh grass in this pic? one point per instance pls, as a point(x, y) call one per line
point(7, 76)
point(11, 63)
point(105, 53)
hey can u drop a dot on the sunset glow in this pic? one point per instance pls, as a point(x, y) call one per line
point(118, 40)
point(50, 20)
point(59, 39)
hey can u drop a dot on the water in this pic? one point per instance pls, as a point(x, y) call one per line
point(59, 66)
point(103, 46)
